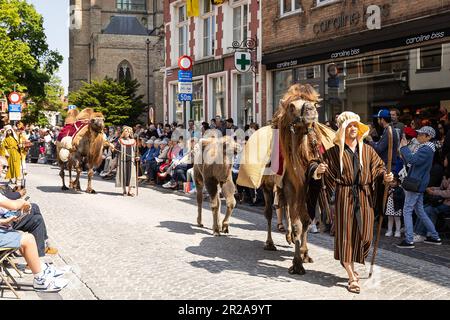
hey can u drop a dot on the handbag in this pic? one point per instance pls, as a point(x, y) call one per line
point(411, 184)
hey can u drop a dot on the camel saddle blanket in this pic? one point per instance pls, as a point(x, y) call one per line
point(262, 155)
point(71, 130)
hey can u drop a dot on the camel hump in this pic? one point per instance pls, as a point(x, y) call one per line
point(85, 114)
point(71, 116)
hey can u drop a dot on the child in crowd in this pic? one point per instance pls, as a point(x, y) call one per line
point(394, 207)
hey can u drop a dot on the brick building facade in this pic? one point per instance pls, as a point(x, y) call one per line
point(109, 38)
point(218, 88)
point(403, 62)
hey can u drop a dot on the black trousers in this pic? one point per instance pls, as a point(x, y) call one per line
point(34, 223)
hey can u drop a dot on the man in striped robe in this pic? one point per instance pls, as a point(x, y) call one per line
point(351, 168)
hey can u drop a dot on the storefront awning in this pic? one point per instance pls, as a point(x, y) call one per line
point(406, 34)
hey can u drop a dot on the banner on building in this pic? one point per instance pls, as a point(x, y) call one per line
point(193, 8)
point(217, 2)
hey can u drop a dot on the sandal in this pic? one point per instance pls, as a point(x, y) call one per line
point(131, 194)
point(281, 228)
point(353, 286)
point(356, 275)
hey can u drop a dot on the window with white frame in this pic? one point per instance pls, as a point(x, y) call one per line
point(322, 2)
point(289, 7)
point(240, 23)
point(430, 57)
point(218, 97)
point(182, 30)
point(131, 5)
point(208, 22)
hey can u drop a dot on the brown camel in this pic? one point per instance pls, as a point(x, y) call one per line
point(86, 149)
point(300, 136)
point(213, 159)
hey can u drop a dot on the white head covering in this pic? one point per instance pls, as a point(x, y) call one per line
point(9, 127)
point(344, 119)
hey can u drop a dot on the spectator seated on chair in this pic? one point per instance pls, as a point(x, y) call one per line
point(179, 167)
point(159, 160)
point(148, 158)
point(46, 277)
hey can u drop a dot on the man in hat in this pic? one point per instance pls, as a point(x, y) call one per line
point(421, 162)
point(350, 168)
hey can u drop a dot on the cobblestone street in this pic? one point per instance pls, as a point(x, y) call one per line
point(149, 247)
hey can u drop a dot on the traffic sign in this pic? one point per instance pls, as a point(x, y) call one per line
point(14, 116)
point(185, 62)
point(14, 97)
point(15, 108)
point(185, 97)
point(184, 76)
point(184, 87)
point(71, 107)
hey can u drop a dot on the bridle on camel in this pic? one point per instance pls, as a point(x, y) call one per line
point(301, 118)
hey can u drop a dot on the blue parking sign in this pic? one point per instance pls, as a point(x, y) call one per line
point(184, 76)
point(15, 108)
point(185, 96)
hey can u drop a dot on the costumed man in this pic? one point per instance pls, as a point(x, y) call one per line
point(24, 146)
point(350, 168)
point(3, 160)
point(126, 166)
point(11, 145)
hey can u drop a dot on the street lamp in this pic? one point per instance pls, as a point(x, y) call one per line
point(148, 79)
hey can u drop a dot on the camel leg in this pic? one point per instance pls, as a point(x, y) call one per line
point(211, 186)
point(297, 262)
point(304, 247)
point(199, 188)
point(69, 168)
point(90, 175)
point(268, 212)
point(289, 234)
point(62, 175)
point(228, 192)
point(76, 183)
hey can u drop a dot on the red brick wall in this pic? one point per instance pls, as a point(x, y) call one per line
point(280, 33)
point(219, 33)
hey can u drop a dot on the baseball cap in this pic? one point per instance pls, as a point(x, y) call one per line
point(428, 131)
point(383, 113)
point(410, 132)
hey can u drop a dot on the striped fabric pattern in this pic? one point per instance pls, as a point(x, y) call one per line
point(352, 244)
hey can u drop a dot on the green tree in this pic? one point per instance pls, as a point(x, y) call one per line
point(118, 101)
point(25, 58)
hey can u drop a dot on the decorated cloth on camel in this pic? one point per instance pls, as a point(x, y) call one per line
point(262, 155)
point(71, 130)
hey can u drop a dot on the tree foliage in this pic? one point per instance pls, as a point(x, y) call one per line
point(117, 100)
point(25, 58)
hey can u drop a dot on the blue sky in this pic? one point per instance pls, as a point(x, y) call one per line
point(56, 24)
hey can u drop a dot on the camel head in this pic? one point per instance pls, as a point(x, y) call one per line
point(302, 113)
point(97, 122)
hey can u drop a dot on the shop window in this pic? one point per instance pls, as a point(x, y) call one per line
point(430, 57)
point(244, 105)
point(368, 65)
point(177, 106)
point(352, 68)
point(197, 101)
point(218, 97)
point(288, 7)
point(282, 81)
point(240, 23)
point(131, 5)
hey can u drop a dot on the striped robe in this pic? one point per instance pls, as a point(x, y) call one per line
point(352, 243)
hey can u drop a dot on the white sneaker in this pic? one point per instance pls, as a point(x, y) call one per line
point(397, 234)
point(49, 284)
point(192, 191)
point(313, 229)
point(51, 271)
point(167, 185)
point(418, 238)
point(388, 234)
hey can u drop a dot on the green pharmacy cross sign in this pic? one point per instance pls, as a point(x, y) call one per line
point(242, 61)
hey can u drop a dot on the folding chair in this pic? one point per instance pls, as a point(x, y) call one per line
point(4, 259)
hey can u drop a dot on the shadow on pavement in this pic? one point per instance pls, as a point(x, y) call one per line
point(183, 227)
point(56, 189)
point(228, 250)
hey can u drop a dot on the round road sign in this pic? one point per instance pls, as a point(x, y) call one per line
point(185, 63)
point(14, 97)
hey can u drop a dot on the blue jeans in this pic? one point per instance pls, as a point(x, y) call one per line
point(414, 201)
point(432, 213)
